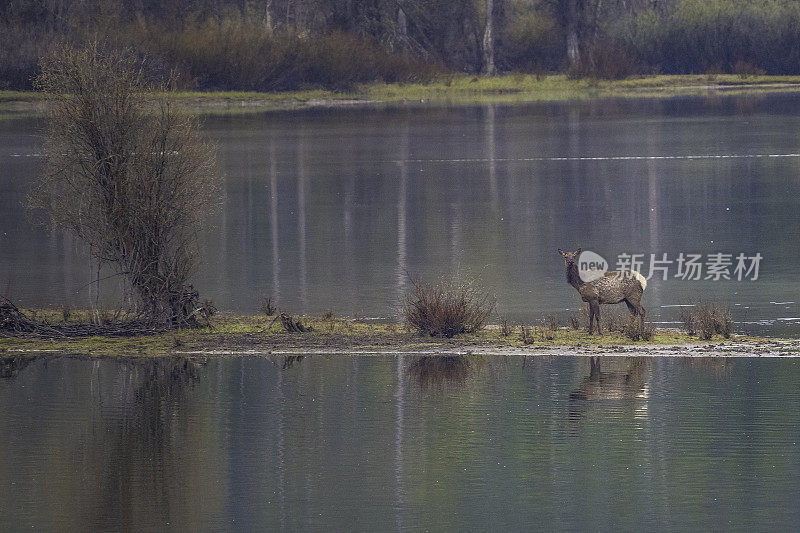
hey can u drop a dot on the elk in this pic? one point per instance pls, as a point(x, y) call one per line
point(606, 287)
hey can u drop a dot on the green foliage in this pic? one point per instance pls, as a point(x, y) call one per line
point(702, 35)
point(533, 41)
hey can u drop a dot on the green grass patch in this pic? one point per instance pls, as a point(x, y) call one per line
point(457, 90)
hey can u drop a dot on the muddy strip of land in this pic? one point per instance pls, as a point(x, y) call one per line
point(231, 335)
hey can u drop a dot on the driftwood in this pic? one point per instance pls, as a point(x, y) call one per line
point(12, 320)
point(14, 323)
point(293, 326)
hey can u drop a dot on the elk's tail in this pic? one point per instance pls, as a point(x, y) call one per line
point(640, 278)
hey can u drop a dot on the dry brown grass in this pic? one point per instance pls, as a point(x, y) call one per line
point(526, 335)
point(707, 319)
point(505, 327)
point(447, 308)
point(268, 307)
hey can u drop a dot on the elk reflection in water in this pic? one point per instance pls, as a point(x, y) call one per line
point(436, 371)
point(624, 381)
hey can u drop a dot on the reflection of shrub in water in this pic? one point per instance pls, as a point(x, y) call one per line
point(157, 381)
point(433, 371)
point(11, 366)
point(290, 360)
point(716, 366)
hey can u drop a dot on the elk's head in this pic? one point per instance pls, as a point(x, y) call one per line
point(570, 257)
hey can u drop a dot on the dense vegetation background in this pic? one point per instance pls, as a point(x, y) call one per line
point(293, 44)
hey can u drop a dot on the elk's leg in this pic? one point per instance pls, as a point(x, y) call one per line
point(594, 312)
point(591, 317)
point(597, 318)
point(594, 368)
point(640, 311)
point(633, 311)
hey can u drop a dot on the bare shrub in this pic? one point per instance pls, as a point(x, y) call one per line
point(505, 327)
point(268, 306)
point(604, 60)
point(526, 335)
point(548, 327)
point(648, 331)
point(723, 322)
point(574, 322)
point(744, 69)
point(636, 331)
point(127, 174)
point(687, 321)
point(233, 51)
point(330, 318)
point(616, 321)
point(707, 319)
point(106, 317)
point(447, 308)
point(205, 312)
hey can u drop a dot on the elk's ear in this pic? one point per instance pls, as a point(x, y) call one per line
point(561, 252)
point(578, 252)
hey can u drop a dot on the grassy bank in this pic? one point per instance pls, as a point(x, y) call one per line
point(458, 90)
point(263, 335)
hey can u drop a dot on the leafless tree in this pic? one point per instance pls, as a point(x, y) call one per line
point(128, 173)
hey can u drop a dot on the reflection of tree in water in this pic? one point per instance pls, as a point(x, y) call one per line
point(717, 366)
point(153, 449)
point(624, 380)
point(435, 371)
point(12, 365)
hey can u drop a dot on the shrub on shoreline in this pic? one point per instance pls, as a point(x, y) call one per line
point(706, 320)
point(447, 308)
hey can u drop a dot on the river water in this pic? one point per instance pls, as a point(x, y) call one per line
point(335, 209)
point(399, 442)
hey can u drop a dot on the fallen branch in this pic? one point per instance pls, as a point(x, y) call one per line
point(14, 323)
point(293, 326)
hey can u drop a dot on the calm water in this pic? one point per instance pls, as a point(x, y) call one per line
point(333, 209)
point(399, 442)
